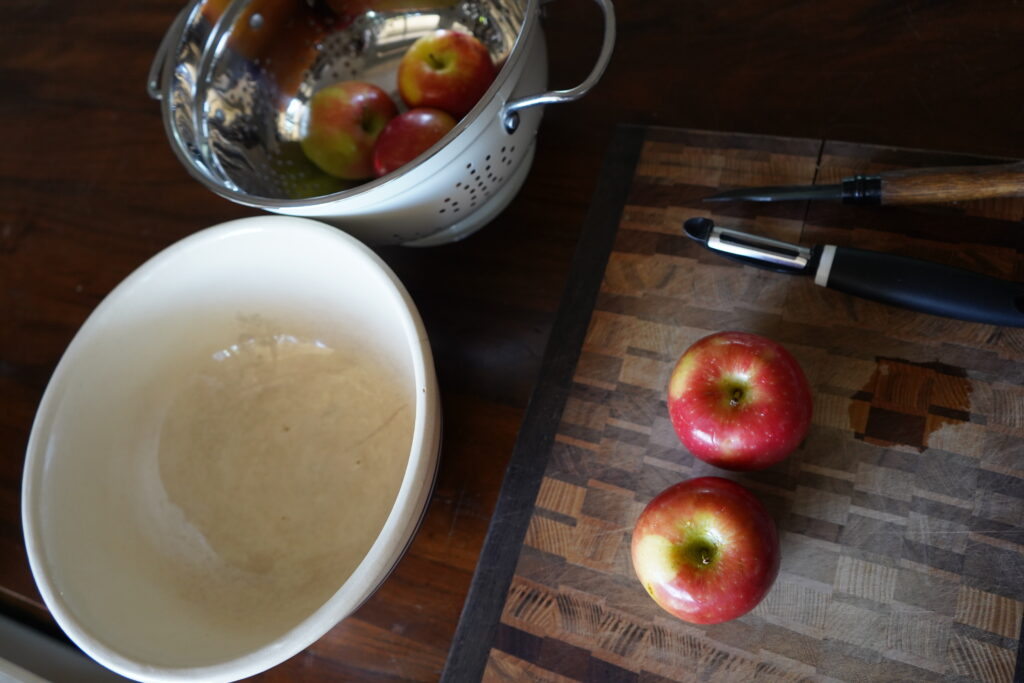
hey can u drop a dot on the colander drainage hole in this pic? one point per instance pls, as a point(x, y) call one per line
point(479, 181)
point(454, 206)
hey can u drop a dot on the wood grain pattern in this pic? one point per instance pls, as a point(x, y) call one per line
point(900, 516)
point(936, 186)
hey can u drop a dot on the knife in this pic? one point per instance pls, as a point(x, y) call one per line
point(910, 283)
point(909, 186)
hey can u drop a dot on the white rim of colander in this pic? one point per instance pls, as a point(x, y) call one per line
point(196, 168)
point(399, 528)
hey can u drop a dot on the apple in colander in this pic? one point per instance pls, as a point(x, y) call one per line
point(407, 136)
point(447, 70)
point(343, 122)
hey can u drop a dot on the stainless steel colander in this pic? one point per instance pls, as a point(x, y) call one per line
point(234, 78)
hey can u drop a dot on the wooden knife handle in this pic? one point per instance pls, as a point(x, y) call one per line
point(936, 185)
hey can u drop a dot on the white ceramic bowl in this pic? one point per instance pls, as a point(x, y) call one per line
point(233, 452)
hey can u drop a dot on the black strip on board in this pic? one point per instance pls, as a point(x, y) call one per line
point(481, 613)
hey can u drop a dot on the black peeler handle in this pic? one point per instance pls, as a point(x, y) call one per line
point(922, 286)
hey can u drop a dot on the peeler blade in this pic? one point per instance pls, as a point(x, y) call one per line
point(752, 250)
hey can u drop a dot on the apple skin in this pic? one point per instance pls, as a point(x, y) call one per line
point(407, 136)
point(739, 401)
point(447, 70)
point(343, 123)
point(706, 550)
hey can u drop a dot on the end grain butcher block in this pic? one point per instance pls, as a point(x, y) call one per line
point(900, 516)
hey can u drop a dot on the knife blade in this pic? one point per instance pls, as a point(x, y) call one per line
point(891, 279)
point(907, 186)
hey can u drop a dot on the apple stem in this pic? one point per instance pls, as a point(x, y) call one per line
point(737, 395)
point(434, 61)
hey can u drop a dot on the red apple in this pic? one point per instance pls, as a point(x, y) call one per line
point(706, 550)
point(446, 70)
point(739, 401)
point(407, 136)
point(342, 125)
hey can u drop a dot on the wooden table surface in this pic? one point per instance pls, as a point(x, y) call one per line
point(89, 189)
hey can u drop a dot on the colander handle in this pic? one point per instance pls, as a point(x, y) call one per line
point(154, 84)
point(510, 113)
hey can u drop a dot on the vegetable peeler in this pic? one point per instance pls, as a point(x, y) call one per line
point(910, 283)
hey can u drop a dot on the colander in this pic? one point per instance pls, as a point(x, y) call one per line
point(234, 78)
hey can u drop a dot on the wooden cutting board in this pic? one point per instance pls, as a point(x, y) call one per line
point(900, 516)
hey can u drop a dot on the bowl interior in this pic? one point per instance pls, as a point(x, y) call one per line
point(222, 445)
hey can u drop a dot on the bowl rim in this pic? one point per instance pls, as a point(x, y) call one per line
point(390, 544)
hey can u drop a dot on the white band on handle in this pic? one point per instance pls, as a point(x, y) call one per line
point(828, 253)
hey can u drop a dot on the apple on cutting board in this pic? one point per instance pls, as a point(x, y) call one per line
point(706, 550)
point(739, 401)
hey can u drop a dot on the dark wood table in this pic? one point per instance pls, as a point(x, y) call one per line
point(90, 189)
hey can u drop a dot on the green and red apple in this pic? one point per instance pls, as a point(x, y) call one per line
point(447, 70)
point(407, 136)
point(706, 550)
point(343, 122)
point(739, 401)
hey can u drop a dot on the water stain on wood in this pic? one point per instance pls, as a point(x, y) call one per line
point(904, 403)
